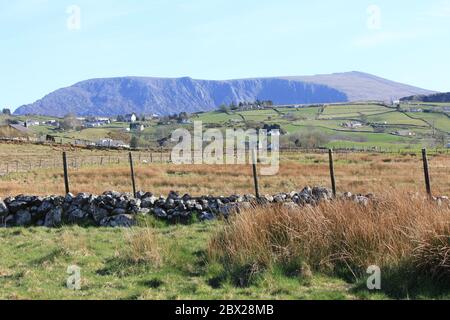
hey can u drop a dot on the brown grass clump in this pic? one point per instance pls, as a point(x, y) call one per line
point(142, 246)
point(341, 237)
point(72, 245)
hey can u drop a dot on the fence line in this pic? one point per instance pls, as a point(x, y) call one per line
point(69, 163)
point(75, 162)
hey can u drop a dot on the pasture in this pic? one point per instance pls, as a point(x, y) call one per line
point(379, 125)
point(97, 171)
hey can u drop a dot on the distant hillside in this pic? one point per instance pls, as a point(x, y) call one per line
point(436, 97)
point(112, 96)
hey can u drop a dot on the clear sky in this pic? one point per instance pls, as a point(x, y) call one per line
point(49, 44)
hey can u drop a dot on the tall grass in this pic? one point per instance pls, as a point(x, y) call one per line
point(394, 232)
point(142, 246)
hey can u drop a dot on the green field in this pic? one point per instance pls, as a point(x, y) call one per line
point(34, 266)
point(352, 111)
point(429, 129)
point(35, 261)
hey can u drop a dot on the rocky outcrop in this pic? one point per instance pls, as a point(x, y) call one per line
point(114, 209)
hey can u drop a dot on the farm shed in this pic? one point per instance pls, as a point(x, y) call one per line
point(16, 132)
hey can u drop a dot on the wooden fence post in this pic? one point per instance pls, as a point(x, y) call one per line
point(66, 173)
point(426, 171)
point(132, 174)
point(255, 172)
point(333, 179)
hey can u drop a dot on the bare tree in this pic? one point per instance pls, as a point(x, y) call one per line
point(70, 122)
point(308, 139)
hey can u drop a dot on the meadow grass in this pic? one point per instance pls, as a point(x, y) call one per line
point(407, 237)
point(266, 253)
point(124, 264)
point(358, 173)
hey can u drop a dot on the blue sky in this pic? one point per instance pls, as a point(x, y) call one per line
point(405, 41)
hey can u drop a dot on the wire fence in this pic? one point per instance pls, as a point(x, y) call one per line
point(36, 162)
point(77, 162)
point(356, 168)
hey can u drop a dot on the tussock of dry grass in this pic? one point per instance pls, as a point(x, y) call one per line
point(72, 245)
point(392, 232)
point(142, 246)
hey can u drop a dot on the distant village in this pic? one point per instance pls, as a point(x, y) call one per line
point(14, 129)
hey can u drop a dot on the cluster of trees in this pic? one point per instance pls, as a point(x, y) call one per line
point(292, 116)
point(70, 122)
point(305, 139)
point(275, 126)
point(440, 139)
point(175, 117)
point(233, 106)
point(6, 111)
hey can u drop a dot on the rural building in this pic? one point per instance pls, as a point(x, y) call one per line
point(404, 133)
point(31, 123)
point(352, 124)
point(131, 118)
point(81, 142)
point(416, 110)
point(137, 127)
point(103, 119)
point(109, 143)
point(53, 123)
point(16, 132)
point(93, 124)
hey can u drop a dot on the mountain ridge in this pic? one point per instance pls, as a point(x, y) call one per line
point(120, 95)
point(443, 97)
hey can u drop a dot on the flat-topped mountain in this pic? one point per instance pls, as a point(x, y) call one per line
point(113, 96)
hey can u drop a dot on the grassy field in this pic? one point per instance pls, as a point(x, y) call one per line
point(355, 172)
point(156, 260)
point(262, 254)
point(327, 120)
point(117, 264)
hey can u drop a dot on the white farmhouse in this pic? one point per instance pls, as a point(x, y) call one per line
point(131, 117)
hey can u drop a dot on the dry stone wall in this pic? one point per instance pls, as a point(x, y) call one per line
point(114, 209)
